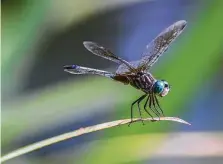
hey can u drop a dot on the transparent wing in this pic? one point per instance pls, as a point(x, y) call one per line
point(122, 69)
point(160, 44)
point(105, 53)
point(156, 48)
point(74, 69)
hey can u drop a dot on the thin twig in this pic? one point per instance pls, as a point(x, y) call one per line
point(79, 132)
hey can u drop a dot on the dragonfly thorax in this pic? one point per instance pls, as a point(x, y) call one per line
point(142, 81)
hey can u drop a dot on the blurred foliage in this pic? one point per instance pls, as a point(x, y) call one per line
point(20, 20)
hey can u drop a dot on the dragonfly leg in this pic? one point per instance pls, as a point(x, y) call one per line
point(157, 102)
point(139, 99)
point(132, 111)
point(138, 102)
point(151, 104)
point(148, 99)
point(154, 107)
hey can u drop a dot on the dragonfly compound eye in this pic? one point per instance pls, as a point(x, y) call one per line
point(158, 87)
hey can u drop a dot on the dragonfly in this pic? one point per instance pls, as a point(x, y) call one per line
point(137, 73)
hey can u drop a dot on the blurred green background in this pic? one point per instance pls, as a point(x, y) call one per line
point(40, 100)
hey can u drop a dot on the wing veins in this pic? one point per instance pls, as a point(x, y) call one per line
point(156, 47)
point(105, 53)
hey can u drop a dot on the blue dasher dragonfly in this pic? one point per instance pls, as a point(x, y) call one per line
point(136, 73)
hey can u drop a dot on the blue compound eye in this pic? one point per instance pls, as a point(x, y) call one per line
point(158, 87)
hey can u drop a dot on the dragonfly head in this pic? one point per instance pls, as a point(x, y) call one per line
point(161, 88)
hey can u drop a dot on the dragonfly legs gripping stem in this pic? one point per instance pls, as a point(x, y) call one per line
point(148, 99)
point(157, 102)
point(140, 113)
point(153, 105)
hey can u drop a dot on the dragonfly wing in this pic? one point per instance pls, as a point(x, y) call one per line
point(160, 44)
point(74, 69)
point(156, 48)
point(105, 53)
point(123, 69)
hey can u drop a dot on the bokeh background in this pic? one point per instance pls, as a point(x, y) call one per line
point(40, 100)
